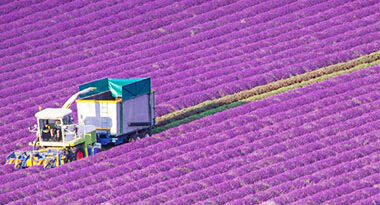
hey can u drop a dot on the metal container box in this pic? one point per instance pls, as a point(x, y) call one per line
point(117, 106)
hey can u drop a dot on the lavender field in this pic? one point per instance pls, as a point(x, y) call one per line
point(317, 144)
point(193, 50)
point(314, 145)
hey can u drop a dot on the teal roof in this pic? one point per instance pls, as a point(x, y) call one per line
point(119, 87)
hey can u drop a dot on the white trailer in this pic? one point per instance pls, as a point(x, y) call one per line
point(120, 109)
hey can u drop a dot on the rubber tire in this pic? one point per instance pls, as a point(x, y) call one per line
point(134, 137)
point(146, 135)
point(78, 150)
point(68, 156)
point(96, 150)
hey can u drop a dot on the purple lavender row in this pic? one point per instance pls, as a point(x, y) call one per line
point(208, 76)
point(6, 169)
point(174, 191)
point(5, 2)
point(232, 70)
point(345, 78)
point(80, 20)
point(207, 186)
point(50, 17)
point(35, 17)
point(258, 187)
point(225, 89)
point(351, 160)
point(15, 5)
point(362, 178)
point(76, 31)
point(356, 76)
point(252, 79)
point(11, 148)
point(355, 195)
point(79, 164)
point(135, 24)
point(312, 137)
point(272, 111)
point(116, 45)
point(253, 180)
point(371, 200)
point(20, 14)
point(228, 163)
point(14, 119)
point(304, 177)
point(365, 82)
point(111, 27)
point(289, 38)
point(322, 188)
point(139, 38)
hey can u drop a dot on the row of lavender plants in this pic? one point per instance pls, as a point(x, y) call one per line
point(257, 131)
point(71, 61)
point(23, 89)
point(201, 168)
point(37, 86)
point(204, 95)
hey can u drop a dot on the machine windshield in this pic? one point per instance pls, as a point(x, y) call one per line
point(51, 130)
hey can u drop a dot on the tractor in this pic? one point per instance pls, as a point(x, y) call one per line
point(110, 112)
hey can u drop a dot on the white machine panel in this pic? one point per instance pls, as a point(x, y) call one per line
point(101, 114)
point(136, 110)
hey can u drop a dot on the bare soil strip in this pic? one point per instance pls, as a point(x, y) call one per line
point(206, 108)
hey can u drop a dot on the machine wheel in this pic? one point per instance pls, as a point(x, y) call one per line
point(146, 135)
point(96, 150)
point(68, 156)
point(78, 152)
point(134, 137)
